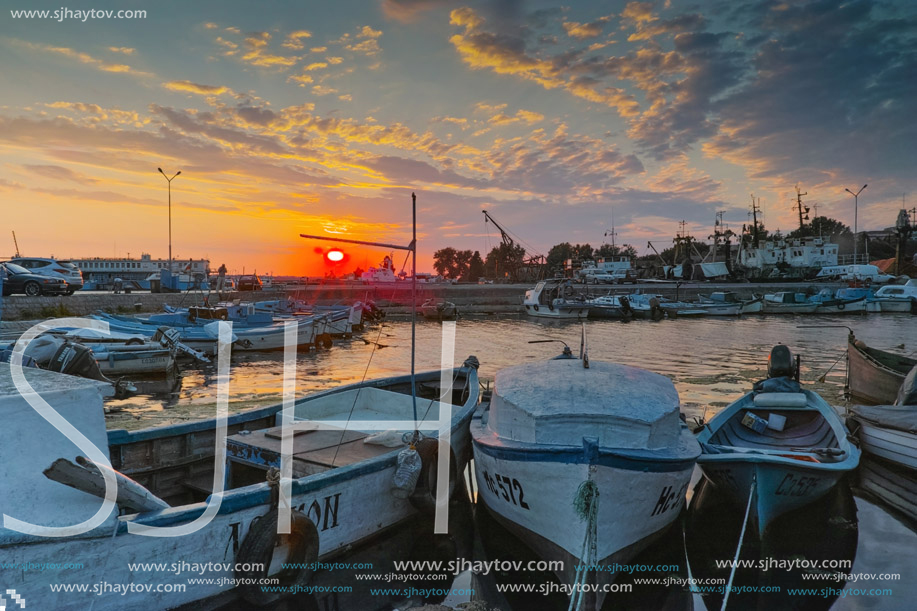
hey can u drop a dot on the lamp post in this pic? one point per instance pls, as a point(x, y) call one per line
point(856, 197)
point(170, 212)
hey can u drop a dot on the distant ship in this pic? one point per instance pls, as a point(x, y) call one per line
point(799, 257)
point(100, 274)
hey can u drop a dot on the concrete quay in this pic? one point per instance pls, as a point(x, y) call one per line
point(395, 299)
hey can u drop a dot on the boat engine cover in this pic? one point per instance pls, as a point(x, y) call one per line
point(780, 363)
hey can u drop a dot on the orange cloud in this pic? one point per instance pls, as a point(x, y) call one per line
point(189, 87)
point(585, 30)
point(84, 58)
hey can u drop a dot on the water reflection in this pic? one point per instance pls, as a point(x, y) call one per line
point(824, 531)
point(827, 530)
point(711, 361)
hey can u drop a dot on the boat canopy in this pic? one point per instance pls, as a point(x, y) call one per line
point(559, 402)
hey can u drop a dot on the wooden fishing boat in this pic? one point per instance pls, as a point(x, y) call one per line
point(887, 431)
point(556, 433)
point(875, 375)
point(783, 445)
point(890, 431)
point(341, 491)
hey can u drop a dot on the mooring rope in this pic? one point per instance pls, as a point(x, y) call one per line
point(735, 561)
point(586, 506)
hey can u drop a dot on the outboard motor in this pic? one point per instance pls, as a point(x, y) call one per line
point(780, 363)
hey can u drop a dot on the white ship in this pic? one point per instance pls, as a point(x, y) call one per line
point(795, 257)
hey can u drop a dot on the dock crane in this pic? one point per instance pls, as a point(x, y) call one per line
point(526, 269)
point(16, 244)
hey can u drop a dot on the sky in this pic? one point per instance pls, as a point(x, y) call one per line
point(562, 120)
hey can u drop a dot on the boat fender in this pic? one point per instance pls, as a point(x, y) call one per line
point(841, 306)
point(424, 497)
point(535, 307)
point(568, 290)
point(253, 559)
point(551, 306)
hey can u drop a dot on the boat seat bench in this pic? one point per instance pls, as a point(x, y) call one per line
point(813, 433)
point(314, 451)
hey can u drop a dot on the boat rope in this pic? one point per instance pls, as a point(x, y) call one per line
point(586, 506)
point(735, 561)
point(357, 396)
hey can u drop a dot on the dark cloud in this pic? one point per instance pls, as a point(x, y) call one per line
point(832, 87)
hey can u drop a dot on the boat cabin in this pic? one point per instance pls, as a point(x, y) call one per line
point(560, 402)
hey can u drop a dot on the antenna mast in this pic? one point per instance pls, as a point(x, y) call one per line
point(803, 210)
point(755, 210)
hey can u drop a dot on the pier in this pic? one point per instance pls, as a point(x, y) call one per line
point(485, 299)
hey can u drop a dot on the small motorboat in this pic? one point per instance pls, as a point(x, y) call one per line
point(438, 309)
point(829, 303)
point(779, 446)
point(890, 431)
point(573, 455)
point(875, 375)
point(610, 306)
point(788, 303)
point(554, 299)
point(746, 306)
point(896, 298)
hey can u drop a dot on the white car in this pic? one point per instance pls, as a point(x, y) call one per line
point(53, 268)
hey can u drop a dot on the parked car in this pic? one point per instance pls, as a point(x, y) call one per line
point(620, 276)
point(20, 280)
point(54, 268)
point(249, 283)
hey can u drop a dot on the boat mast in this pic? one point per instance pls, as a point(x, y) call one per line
point(412, 248)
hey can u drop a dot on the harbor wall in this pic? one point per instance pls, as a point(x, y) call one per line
point(395, 299)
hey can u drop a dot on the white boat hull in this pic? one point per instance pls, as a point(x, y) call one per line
point(891, 305)
point(897, 446)
point(568, 312)
point(787, 308)
point(854, 307)
point(535, 500)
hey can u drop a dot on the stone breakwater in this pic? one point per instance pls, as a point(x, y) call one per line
point(395, 299)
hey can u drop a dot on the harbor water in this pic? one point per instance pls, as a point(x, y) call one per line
point(711, 361)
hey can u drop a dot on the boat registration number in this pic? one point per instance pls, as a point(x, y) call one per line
point(505, 488)
point(796, 486)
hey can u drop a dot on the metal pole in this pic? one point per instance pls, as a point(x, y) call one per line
point(170, 226)
point(169, 180)
point(856, 202)
point(414, 308)
point(856, 207)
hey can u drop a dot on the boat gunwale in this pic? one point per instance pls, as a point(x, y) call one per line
point(255, 495)
point(748, 455)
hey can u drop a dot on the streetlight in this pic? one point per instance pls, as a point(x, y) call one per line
point(856, 197)
point(170, 212)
